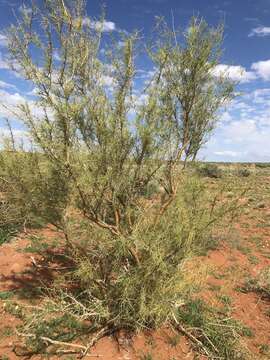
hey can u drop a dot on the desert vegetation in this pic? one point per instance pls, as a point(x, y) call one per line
point(113, 172)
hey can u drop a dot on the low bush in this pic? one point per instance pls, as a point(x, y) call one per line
point(243, 172)
point(210, 170)
point(134, 281)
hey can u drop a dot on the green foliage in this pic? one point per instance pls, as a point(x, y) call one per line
point(210, 170)
point(262, 165)
point(32, 188)
point(60, 328)
point(242, 172)
point(88, 149)
point(133, 292)
point(4, 295)
point(106, 166)
point(218, 335)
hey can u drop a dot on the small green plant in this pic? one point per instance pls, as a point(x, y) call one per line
point(147, 356)
point(264, 349)
point(174, 340)
point(253, 259)
point(4, 357)
point(4, 295)
point(6, 331)
point(259, 284)
point(225, 299)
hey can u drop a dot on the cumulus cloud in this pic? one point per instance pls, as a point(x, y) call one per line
point(260, 31)
point(234, 72)
point(105, 26)
point(9, 104)
point(9, 101)
point(3, 40)
point(228, 153)
point(262, 68)
point(244, 130)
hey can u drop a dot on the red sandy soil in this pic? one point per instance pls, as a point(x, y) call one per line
point(17, 272)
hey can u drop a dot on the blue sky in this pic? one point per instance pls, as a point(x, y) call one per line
point(243, 133)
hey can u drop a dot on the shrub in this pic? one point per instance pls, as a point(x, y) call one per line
point(115, 289)
point(210, 170)
point(243, 172)
point(106, 168)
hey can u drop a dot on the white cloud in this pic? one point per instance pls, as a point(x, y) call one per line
point(244, 132)
point(9, 104)
point(228, 153)
point(262, 68)
point(260, 31)
point(3, 40)
point(5, 85)
point(3, 63)
point(234, 72)
point(25, 9)
point(108, 81)
point(20, 136)
point(56, 55)
point(9, 101)
point(105, 26)
point(225, 117)
point(239, 130)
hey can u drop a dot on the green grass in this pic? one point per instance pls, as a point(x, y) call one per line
point(147, 356)
point(4, 295)
point(264, 349)
point(219, 334)
point(6, 234)
point(174, 340)
point(253, 259)
point(6, 331)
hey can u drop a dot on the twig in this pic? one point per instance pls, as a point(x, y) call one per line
point(99, 335)
point(51, 341)
point(49, 267)
point(64, 351)
point(63, 343)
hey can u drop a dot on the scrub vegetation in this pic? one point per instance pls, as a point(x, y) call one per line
point(112, 168)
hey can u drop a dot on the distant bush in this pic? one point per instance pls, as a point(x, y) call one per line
point(210, 170)
point(243, 172)
point(262, 165)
